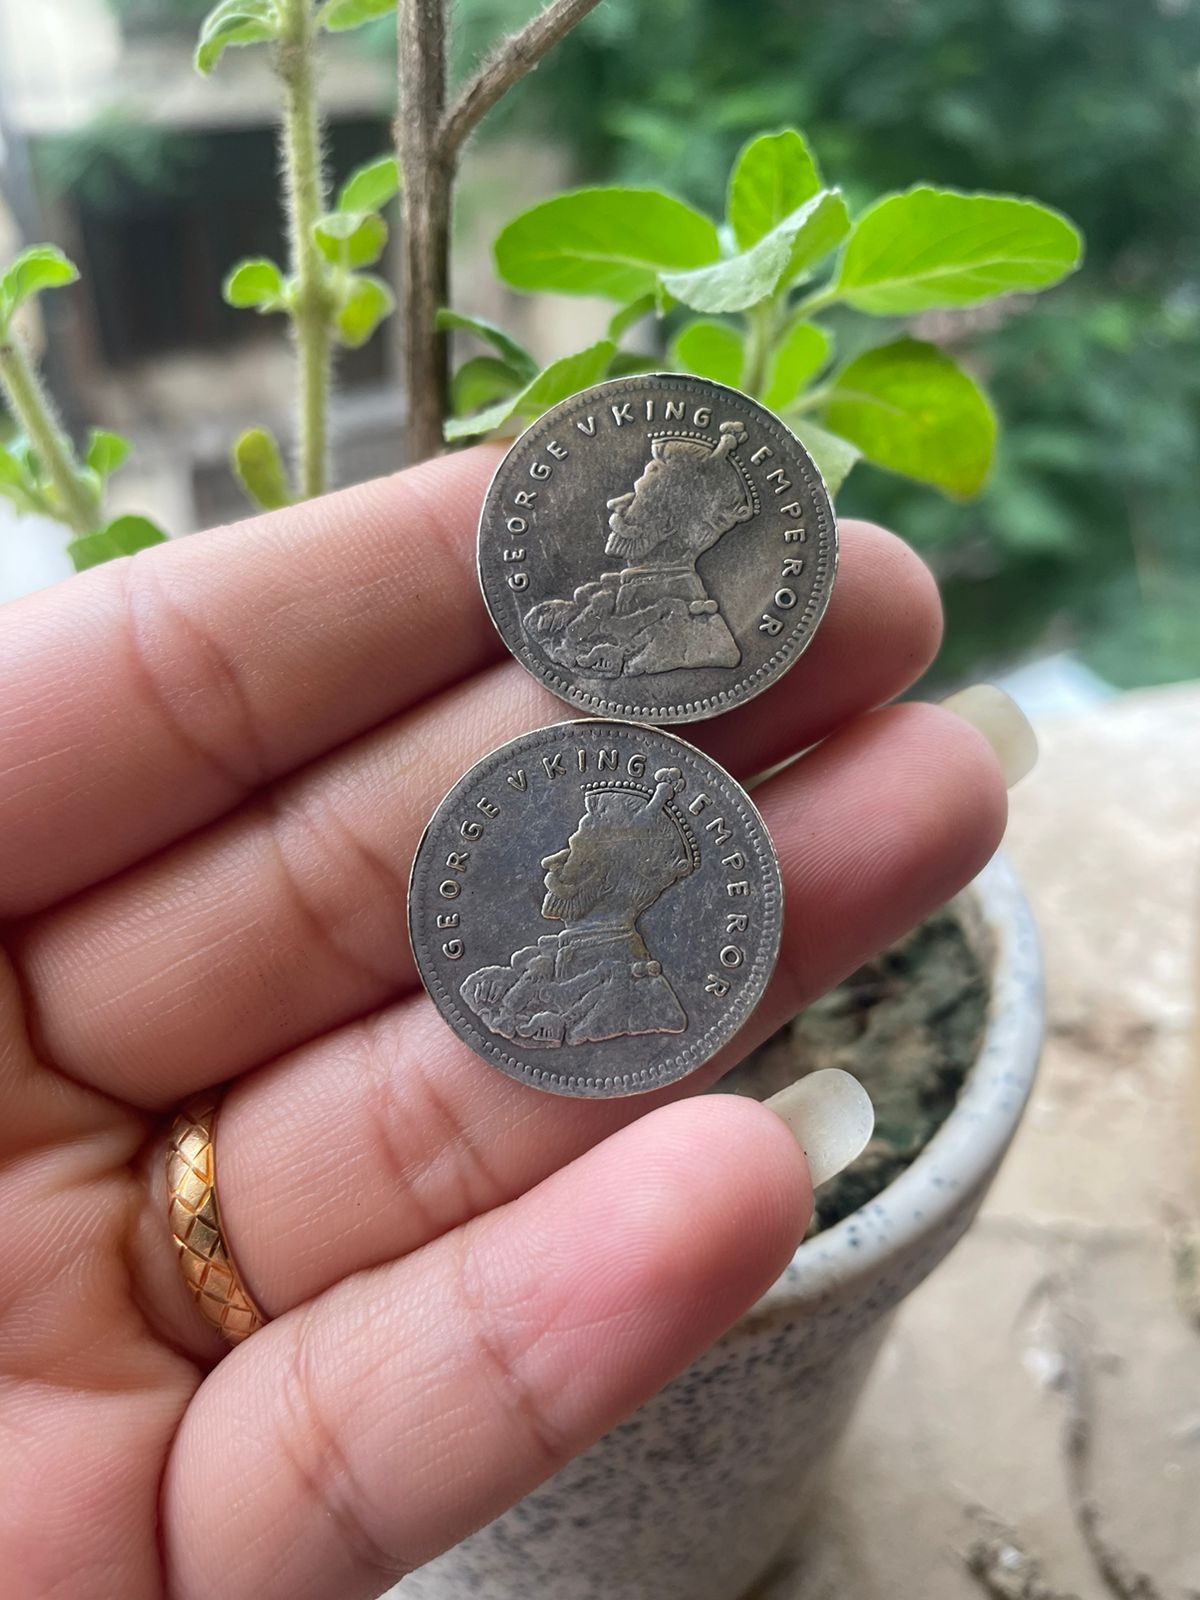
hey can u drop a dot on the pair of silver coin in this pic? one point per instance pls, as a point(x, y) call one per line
point(596, 907)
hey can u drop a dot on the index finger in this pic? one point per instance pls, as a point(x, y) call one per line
point(149, 695)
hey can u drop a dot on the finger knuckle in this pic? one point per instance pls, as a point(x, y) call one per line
point(501, 1345)
point(189, 676)
point(312, 1447)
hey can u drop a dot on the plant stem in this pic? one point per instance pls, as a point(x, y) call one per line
point(428, 140)
point(816, 301)
point(507, 65)
point(80, 504)
point(304, 187)
point(425, 215)
point(758, 345)
point(811, 401)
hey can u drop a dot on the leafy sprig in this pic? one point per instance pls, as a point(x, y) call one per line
point(745, 299)
point(326, 292)
point(241, 22)
point(39, 471)
point(352, 302)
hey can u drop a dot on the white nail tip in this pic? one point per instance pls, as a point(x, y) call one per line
point(831, 1118)
point(1000, 720)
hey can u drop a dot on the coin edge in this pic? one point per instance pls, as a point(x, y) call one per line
point(771, 671)
point(767, 959)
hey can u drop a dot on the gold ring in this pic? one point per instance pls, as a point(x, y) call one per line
point(204, 1255)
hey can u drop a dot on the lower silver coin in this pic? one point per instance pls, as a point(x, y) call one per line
point(595, 908)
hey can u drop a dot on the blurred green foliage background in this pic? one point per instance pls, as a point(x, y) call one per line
point(1088, 535)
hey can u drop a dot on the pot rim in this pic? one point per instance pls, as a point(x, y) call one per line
point(962, 1156)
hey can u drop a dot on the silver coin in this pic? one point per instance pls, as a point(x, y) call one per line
point(595, 908)
point(657, 547)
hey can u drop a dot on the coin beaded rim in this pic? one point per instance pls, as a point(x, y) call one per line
point(749, 684)
point(692, 1056)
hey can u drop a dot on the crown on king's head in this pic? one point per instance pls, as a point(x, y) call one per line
point(706, 459)
point(631, 807)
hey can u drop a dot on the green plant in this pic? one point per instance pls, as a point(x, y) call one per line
point(39, 471)
point(1083, 537)
point(748, 304)
point(327, 294)
point(776, 299)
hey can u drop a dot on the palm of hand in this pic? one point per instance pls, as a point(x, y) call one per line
point(215, 762)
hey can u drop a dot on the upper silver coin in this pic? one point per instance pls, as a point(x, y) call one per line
point(595, 908)
point(657, 547)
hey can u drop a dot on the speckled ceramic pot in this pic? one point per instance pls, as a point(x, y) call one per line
point(692, 1497)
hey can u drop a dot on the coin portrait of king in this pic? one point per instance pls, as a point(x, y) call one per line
point(595, 979)
point(654, 614)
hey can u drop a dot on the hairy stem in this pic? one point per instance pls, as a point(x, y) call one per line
point(428, 140)
point(813, 400)
point(304, 188)
point(507, 65)
point(425, 212)
point(816, 301)
point(759, 343)
point(79, 502)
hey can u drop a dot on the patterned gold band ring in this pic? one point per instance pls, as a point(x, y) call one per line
point(195, 1218)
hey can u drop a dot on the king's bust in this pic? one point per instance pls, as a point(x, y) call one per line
point(690, 493)
point(596, 979)
point(654, 614)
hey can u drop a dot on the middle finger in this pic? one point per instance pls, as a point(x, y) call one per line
point(289, 916)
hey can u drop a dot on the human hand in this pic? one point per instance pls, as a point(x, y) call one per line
point(215, 763)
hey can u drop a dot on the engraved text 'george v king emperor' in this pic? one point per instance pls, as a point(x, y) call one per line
point(595, 908)
point(657, 547)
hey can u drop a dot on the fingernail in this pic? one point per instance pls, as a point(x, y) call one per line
point(1002, 723)
point(831, 1118)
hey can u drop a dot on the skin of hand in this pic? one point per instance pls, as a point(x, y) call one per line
point(216, 759)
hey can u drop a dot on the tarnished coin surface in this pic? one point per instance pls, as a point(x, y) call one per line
point(596, 908)
point(657, 547)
